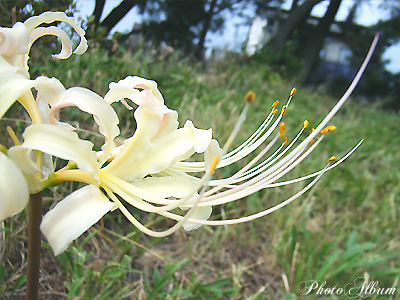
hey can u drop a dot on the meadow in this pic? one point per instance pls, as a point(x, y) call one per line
point(344, 228)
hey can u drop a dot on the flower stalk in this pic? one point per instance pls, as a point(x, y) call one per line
point(34, 243)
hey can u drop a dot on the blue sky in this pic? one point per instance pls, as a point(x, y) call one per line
point(235, 30)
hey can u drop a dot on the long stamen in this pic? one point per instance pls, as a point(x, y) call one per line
point(150, 232)
point(254, 216)
point(13, 136)
point(245, 148)
point(259, 182)
point(318, 172)
point(265, 164)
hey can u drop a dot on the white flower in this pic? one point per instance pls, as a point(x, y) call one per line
point(156, 144)
point(16, 42)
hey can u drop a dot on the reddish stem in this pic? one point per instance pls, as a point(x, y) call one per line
point(34, 245)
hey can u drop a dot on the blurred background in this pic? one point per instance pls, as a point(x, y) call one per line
point(205, 55)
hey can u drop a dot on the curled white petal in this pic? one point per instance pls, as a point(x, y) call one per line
point(88, 101)
point(14, 194)
point(66, 45)
point(57, 141)
point(128, 87)
point(50, 17)
point(14, 41)
point(74, 215)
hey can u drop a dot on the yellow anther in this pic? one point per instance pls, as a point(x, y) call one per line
point(283, 110)
point(285, 141)
point(331, 159)
point(274, 111)
point(306, 123)
point(328, 129)
point(214, 164)
point(282, 130)
point(275, 103)
point(313, 140)
point(293, 91)
point(13, 136)
point(250, 97)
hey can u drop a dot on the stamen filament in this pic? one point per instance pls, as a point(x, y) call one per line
point(13, 136)
point(254, 216)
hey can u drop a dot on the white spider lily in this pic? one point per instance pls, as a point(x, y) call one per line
point(156, 144)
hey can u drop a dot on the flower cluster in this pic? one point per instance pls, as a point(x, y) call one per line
point(149, 170)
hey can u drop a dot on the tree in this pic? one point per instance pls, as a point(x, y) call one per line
point(113, 17)
point(377, 81)
point(315, 41)
point(297, 17)
point(14, 11)
point(119, 12)
point(213, 21)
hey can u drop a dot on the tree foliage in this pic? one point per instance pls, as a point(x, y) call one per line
point(14, 11)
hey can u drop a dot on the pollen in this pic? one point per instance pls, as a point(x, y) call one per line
point(313, 140)
point(275, 103)
point(306, 123)
point(282, 130)
point(283, 110)
point(328, 129)
point(214, 164)
point(275, 111)
point(250, 97)
point(331, 159)
point(293, 91)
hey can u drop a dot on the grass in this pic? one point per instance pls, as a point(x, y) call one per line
point(345, 227)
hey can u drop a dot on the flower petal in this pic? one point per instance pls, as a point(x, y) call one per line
point(202, 137)
point(167, 124)
point(50, 17)
point(128, 88)
point(57, 141)
point(73, 216)
point(154, 157)
point(66, 45)
point(14, 194)
point(15, 81)
point(14, 41)
point(201, 213)
point(212, 151)
point(88, 101)
point(169, 186)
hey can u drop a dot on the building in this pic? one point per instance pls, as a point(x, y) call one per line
point(335, 56)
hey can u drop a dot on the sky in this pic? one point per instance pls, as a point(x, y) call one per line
point(236, 30)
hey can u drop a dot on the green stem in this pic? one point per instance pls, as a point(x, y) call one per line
point(34, 243)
